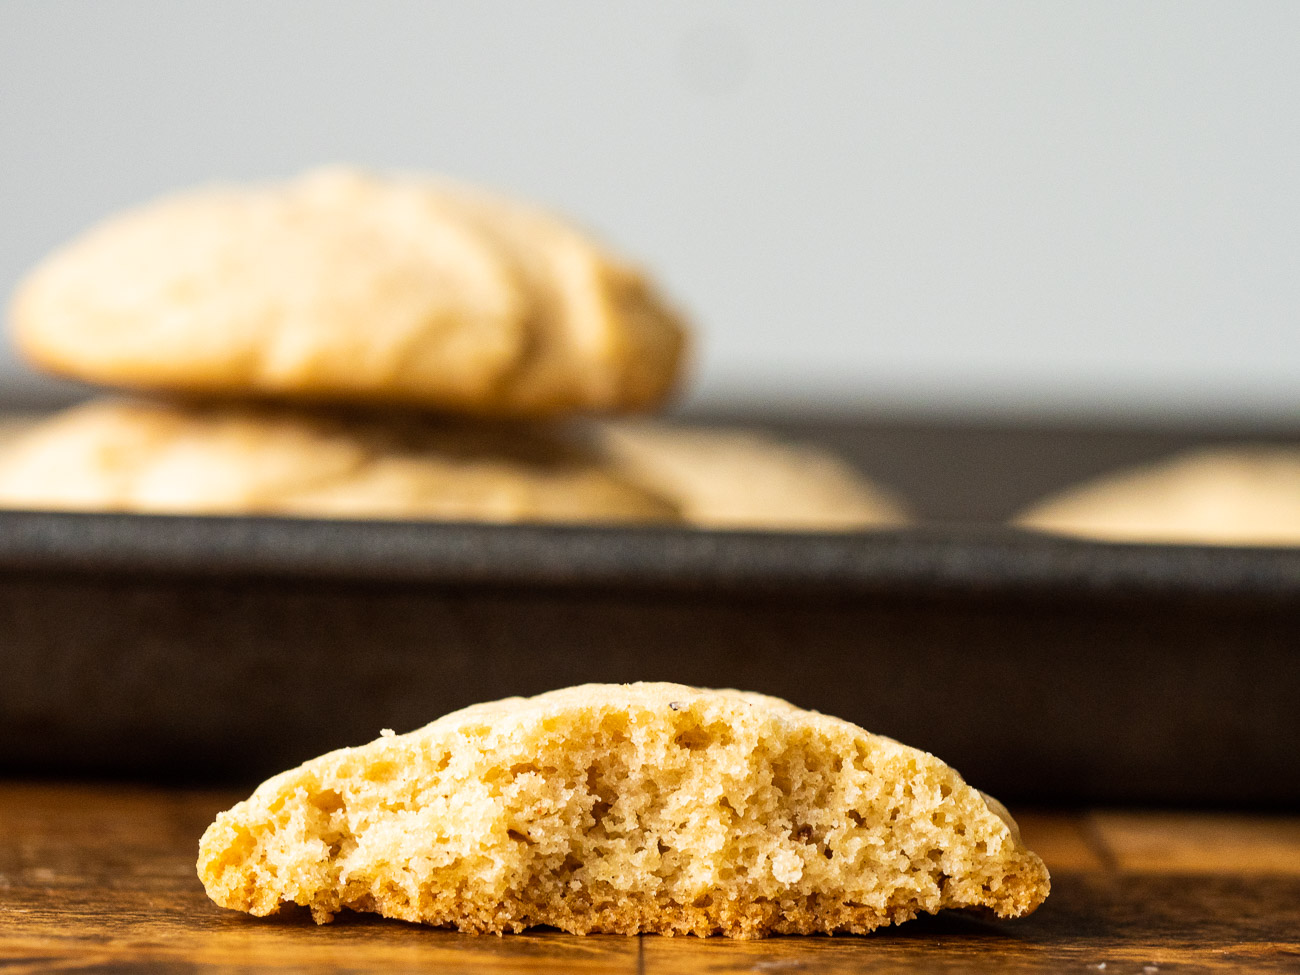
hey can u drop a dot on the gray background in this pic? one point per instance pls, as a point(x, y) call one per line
point(1085, 207)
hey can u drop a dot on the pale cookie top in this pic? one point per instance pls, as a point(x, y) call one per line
point(153, 457)
point(1246, 495)
point(341, 285)
point(733, 478)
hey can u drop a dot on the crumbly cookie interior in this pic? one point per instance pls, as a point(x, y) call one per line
point(676, 815)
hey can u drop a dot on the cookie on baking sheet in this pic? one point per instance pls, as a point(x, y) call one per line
point(634, 808)
point(734, 478)
point(1241, 495)
point(124, 455)
point(341, 285)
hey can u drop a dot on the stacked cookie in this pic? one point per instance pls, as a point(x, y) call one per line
point(359, 346)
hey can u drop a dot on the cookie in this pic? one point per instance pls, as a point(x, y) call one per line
point(626, 809)
point(732, 478)
point(345, 286)
point(123, 455)
point(1247, 495)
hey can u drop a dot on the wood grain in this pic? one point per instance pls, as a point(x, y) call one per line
point(101, 879)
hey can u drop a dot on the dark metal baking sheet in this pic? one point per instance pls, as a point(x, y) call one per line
point(219, 649)
point(1050, 670)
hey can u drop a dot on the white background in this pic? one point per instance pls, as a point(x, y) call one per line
point(980, 206)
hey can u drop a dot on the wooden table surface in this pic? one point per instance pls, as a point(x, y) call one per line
point(101, 879)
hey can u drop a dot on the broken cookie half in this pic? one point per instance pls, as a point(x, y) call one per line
point(625, 809)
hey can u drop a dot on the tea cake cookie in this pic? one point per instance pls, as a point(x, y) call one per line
point(732, 478)
point(1244, 495)
point(626, 809)
point(122, 455)
point(341, 285)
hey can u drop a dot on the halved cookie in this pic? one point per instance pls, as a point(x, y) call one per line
point(625, 809)
point(341, 285)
